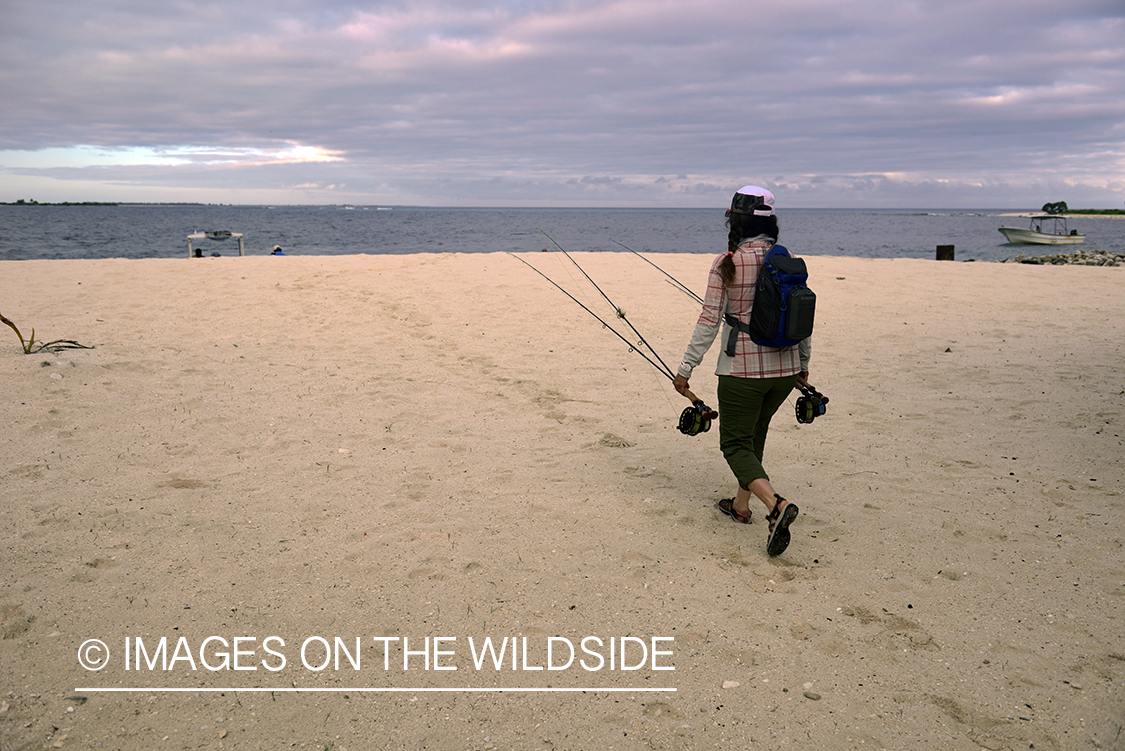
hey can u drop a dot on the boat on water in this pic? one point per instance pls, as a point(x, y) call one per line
point(1056, 234)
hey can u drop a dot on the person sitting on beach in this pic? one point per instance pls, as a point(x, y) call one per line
point(755, 382)
point(277, 251)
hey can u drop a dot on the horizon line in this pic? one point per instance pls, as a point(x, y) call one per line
point(390, 207)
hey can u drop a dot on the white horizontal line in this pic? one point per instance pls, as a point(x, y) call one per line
point(375, 690)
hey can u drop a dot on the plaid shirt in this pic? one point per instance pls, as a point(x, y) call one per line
point(750, 360)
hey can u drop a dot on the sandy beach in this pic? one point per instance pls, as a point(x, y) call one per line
point(343, 474)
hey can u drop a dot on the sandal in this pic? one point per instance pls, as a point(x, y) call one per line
point(780, 519)
point(727, 507)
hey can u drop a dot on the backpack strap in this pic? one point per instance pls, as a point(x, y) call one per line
point(776, 250)
point(735, 326)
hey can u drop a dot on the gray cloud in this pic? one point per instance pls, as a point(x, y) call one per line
point(559, 103)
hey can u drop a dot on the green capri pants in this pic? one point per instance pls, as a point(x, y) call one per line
point(746, 406)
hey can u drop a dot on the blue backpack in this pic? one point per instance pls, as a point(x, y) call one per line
point(784, 305)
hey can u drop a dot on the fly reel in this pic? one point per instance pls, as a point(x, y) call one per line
point(810, 406)
point(697, 418)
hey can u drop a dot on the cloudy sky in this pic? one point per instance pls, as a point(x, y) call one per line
point(877, 103)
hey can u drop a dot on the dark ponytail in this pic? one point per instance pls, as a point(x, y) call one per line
point(743, 226)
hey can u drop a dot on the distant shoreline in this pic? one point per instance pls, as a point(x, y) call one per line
point(1104, 213)
point(64, 203)
point(96, 203)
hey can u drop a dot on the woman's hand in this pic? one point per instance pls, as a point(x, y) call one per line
point(680, 384)
point(803, 379)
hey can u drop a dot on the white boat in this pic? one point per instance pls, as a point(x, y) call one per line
point(1036, 235)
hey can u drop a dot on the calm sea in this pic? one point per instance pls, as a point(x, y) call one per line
point(68, 232)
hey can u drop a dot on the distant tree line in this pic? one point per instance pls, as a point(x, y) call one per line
point(1059, 207)
point(33, 202)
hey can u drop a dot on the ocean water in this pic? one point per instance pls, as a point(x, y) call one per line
point(160, 231)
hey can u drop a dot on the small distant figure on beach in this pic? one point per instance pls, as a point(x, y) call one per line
point(197, 253)
point(277, 251)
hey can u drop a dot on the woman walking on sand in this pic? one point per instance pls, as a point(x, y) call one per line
point(756, 380)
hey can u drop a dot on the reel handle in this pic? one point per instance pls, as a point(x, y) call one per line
point(710, 414)
point(809, 390)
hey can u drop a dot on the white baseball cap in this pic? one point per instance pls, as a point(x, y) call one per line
point(752, 200)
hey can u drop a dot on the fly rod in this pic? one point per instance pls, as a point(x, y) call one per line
point(695, 419)
point(632, 347)
point(620, 313)
point(679, 285)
